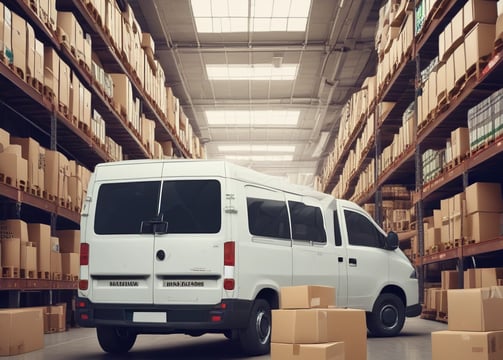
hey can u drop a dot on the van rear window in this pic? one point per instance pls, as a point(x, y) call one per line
point(188, 206)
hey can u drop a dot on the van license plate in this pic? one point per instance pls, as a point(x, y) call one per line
point(184, 283)
point(150, 317)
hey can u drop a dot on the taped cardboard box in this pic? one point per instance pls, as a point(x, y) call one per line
point(465, 345)
point(307, 297)
point(485, 306)
point(21, 331)
point(40, 235)
point(327, 351)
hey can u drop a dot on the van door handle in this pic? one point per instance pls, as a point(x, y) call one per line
point(340, 259)
point(352, 262)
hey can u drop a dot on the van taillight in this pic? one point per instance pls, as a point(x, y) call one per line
point(84, 254)
point(83, 284)
point(229, 253)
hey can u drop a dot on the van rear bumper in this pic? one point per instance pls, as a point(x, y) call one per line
point(229, 314)
point(413, 310)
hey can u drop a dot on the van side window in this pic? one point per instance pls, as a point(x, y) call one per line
point(307, 222)
point(361, 231)
point(192, 206)
point(337, 230)
point(121, 207)
point(268, 218)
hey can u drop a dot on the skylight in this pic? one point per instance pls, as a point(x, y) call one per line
point(252, 72)
point(217, 16)
point(253, 118)
point(257, 148)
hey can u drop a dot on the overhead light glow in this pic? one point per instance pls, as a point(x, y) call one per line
point(260, 158)
point(288, 118)
point(217, 16)
point(257, 148)
point(252, 72)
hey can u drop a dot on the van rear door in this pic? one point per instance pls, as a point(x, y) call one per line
point(188, 259)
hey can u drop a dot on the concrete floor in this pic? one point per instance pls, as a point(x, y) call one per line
point(81, 344)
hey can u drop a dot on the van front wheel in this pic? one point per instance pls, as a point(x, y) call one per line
point(115, 340)
point(387, 317)
point(256, 338)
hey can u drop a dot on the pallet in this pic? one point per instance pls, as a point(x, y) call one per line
point(28, 274)
point(64, 109)
point(44, 275)
point(84, 127)
point(95, 14)
point(18, 71)
point(56, 276)
point(35, 83)
point(10, 272)
point(18, 184)
point(49, 197)
point(70, 277)
point(442, 317)
point(49, 94)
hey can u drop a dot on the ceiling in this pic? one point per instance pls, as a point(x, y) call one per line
point(334, 56)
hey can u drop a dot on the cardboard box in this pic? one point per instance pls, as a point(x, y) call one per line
point(484, 197)
point(464, 345)
point(480, 41)
point(14, 228)
point(56, 316)
point(4, 139)
point(14, 168)
point(449, 279)
point(460, 142)
point(56, 265)
point(300, 326)
point(51, 70)
point(472, 279)
point(70, 264)
point(490, 276)
point(21, 331)
point(11, 253)
point(479, 11)
point(66, 28)
point(30, 50)
point(349, 326)
point(306, 297)
point(485, 306)
point(28, 262)
point(19, 42)
point(69, 241)
point(483, 226)
point(327, 351)
point(6, 33)
point(39, 61)
point(30, 149)
point(64, 85)
point(40, 235)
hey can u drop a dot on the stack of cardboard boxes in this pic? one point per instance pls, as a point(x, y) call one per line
point(475, 329)
point(309, 326)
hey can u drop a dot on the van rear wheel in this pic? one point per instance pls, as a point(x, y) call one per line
point(256, 338)
point(387, 317)
point(115, 340)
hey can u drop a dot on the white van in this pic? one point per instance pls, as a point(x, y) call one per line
point(200, 246)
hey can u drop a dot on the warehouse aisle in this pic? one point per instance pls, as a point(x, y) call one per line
point(81, 344)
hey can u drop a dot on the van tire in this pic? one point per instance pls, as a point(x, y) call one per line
point(387, 317)
point(115, 340)
point(256, 338)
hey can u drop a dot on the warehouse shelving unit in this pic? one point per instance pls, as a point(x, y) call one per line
point(403, 88)
point(27, 109)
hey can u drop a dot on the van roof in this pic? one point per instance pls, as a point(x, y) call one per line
point(222, 168)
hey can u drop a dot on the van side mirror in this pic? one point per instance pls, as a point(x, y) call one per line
point(392, 241)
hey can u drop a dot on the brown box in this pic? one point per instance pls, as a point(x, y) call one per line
point(64, 85)
point(66, 28)
point(30, 50)
point(56, 265)
point(482, 226)
point(5, 32)
point(28, 261)
point(21, 331)
point(460, 142)
point(327, 351)
point(349, 326)
point(74, 108)
point(51, 70)
point(75, 191)
point(14, 168)
point(69, 241)
point(19, 42)
point(485, 306)
point(40, 235)
point(14, 228)
point(31, 152)
point(56, 318)
point(465, 345)
point(4, 139)
point(70, 264)
point(472, 278)
point(459, 63)
point(449, 279)
point(300, 326)
point(450, 74)
point(306, 297)
point(457, 29)
point(483, 197)
point(479, 11)
point(39, 61)
point(11, 253)
point(441, 82)
point(480, 41)
point(490, 276)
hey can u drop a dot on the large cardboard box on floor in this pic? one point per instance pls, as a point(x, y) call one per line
point(307, 297)
point(56, 318)
point(465, 345)
point(21, 331)
point(476, 309)
point(326, 351)
point(350, 327)
point(300, 326)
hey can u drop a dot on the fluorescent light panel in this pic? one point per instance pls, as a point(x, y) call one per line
point(252, 72)
point(260, 158)
point(257, 148)
point(288, 118)
point(217, 16)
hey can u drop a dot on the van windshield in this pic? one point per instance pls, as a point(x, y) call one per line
point(188, 206)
